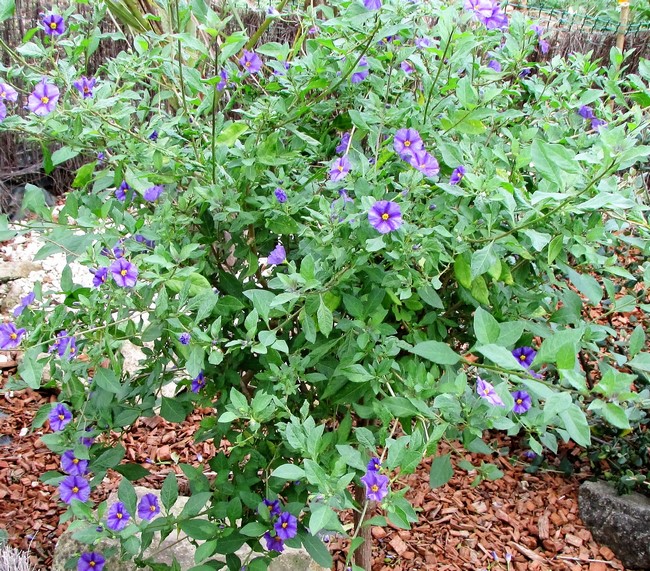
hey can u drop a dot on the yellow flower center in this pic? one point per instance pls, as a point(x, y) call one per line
point(374, 488)
point(13, 336)
point(75, 490)
point(52, 25)
point(72, 350)
point(385, 216)
point(519, 401)
point(248, 64)
point(118, 515)
point(123, 273)
point(45, 100)
point(340, 168)
point(92, 563)
point(407, 143)
point(75, 461)
point(284, 525)
point(152, 508)
point(61, 416)
point(522, 357)
point(3, 94)
point(486, 391)
point(86, 90)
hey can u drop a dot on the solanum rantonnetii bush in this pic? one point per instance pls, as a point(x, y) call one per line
point(348, 259)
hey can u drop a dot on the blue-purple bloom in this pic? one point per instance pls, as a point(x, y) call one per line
point(596, 123)
point(522, 402)
point(494, 65)
point(424, 162)
point(117, 517)
point(274, 506)
point(53, 25)
point(372, 4)
point(72, 465)
point(124, 273)
point(7, 93)
point(586, 112)
point(64, 344)
point(277, 256)
point(74, 488)
point(10, 336)
point(342, 147)
point(362, 71)
point(140, 239)
point(273, 543)
point(120, 192)
point(385, 216)
point(251, 62)
point(486, 391)
point(374, 465)
point(286, 526)
point(340, 168)
point(184, 338)
point(43, 99)
point(525, 356)
point(148, 508)
point(423, 43)
point(85, 86)
point(376, 485)
point(543, 46)
point(406, 142)
point(457, 175)
point(153, 136)
point(3, 111)
point(99, 276)
point(91, 561)
point(59, 417)
point(407, 67)
point(153, 192)
point(223, 82)
point(24, 303)
point(198, 383)
point(489, 13)
point(280, 195)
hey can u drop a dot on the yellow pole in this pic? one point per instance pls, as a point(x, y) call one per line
point(622, 28)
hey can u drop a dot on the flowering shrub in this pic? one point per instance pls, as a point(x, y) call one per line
point(327, 248)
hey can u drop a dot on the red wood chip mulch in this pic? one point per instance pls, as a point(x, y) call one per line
point(532, 517)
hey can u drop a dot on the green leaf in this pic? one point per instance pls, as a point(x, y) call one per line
point(400, 407)
point(108, 459)
point(230, 544)
point(316, 548)
point(7, 9)
point(169, 492)
point(196, 361)
point(351, 456)
point(486, 328)
point(482, 261)
point(195, 504)
point(641, 362)
point(636, 341)
point(437, 352)
point(462, 270)
point(323, 517)
point(126, 494)
point(202, 529)
point(576, 425)
point(106, 379)
point(174, 410)
point(288, 472)
point(500, 356)
point(586, 285)
point(30, 368)
point(262, 300)
point(62, 155)
point(231, 133)
point(84, 175)
point(553, 162)
point(441, 471)
point(554, 249)
point(253, 529)
point(132, 471)
point(556, 404)
point(325, 318)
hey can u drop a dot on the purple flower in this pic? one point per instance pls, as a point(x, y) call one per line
point(495, 65)
point(65, 344)
point(525, 355)
point(85, 86)
point(53, 25)
point(87, 441)
point(340, 168)
point(100, 158)
point(522, 402)
point(91, 562)
point(7, 93)
point(586, 112)
point(273, 543)
point(117, 517)
point(407, 67)
point(362, 71)
point(424, 162)
point(385, 216)
point(274, 506)
point(543, 46)
point(3, 111)
point(99, 276)
point(286, 526)
point(43, 99)
point(406, 142)
point(153, 136)
point(486, 391)
point(530, 455)
point(124, 273)
point(376, 486)
point(72, 465)
point(24, 303)
point(74, 488)
point(120, 192)
point(372, 4)
point(374, 465)
point(59, 417)
point(596, 124)
point(140, 239)
point(10, 336)
point(343, 145)
point(251, 62)
point(198, 382)
point(537, 29)
point(223, 83)
point(153, 192)
point(423, 43)
point(489, 13)
point(148, 508)
point(280, 195)
point(457, 175)
point(277, 256)
point(184, 338)
point(525, 72)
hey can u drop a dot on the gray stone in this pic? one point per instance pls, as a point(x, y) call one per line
point(174, 546)
point(16, 270)
point(622, 523)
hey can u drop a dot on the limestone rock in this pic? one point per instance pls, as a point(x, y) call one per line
point(622, 523)
point(174, 546)
point(16, 270)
